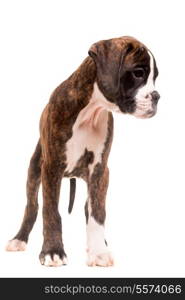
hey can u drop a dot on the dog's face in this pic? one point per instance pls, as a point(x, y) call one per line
point(126, 74)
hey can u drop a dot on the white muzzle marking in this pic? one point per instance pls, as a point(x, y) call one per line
point(143, 98)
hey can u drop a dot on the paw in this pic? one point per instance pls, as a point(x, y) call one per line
point(53, 259)
point(102, 260)
point(16, 245)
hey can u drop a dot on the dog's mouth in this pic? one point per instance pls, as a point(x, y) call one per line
point(145, 114)
point(149, 114)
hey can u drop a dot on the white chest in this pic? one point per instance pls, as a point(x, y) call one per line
point(89, 134)
point(90, 130)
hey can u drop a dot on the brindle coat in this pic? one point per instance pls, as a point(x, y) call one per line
point(48, 163)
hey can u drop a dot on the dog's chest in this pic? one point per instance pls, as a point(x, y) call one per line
point(85, 148)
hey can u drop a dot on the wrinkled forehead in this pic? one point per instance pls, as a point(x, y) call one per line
point(137, 52)
point(138, 56)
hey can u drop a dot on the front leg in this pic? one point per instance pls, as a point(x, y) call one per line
point(97, 249)
point(52, 253)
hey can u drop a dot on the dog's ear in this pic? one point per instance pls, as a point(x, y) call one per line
point(109, 58)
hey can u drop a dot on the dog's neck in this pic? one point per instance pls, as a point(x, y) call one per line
point(82, 94)
point(97, 106)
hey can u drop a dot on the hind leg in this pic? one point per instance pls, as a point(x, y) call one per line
point(18, 243)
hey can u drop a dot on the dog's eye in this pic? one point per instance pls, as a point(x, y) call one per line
point(138, 73)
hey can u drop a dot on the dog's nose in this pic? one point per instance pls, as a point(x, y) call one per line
point(155, 96)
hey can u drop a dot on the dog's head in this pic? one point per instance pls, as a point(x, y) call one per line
point(126, 74)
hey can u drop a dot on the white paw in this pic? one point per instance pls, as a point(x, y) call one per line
point(16, 245)
point(54, 261)
point(101, 260)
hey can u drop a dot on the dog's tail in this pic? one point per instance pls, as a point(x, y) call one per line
point(72, 194)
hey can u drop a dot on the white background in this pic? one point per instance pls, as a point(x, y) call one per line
point(41, 44)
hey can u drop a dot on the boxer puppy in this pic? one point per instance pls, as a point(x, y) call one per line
point(76, 131)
